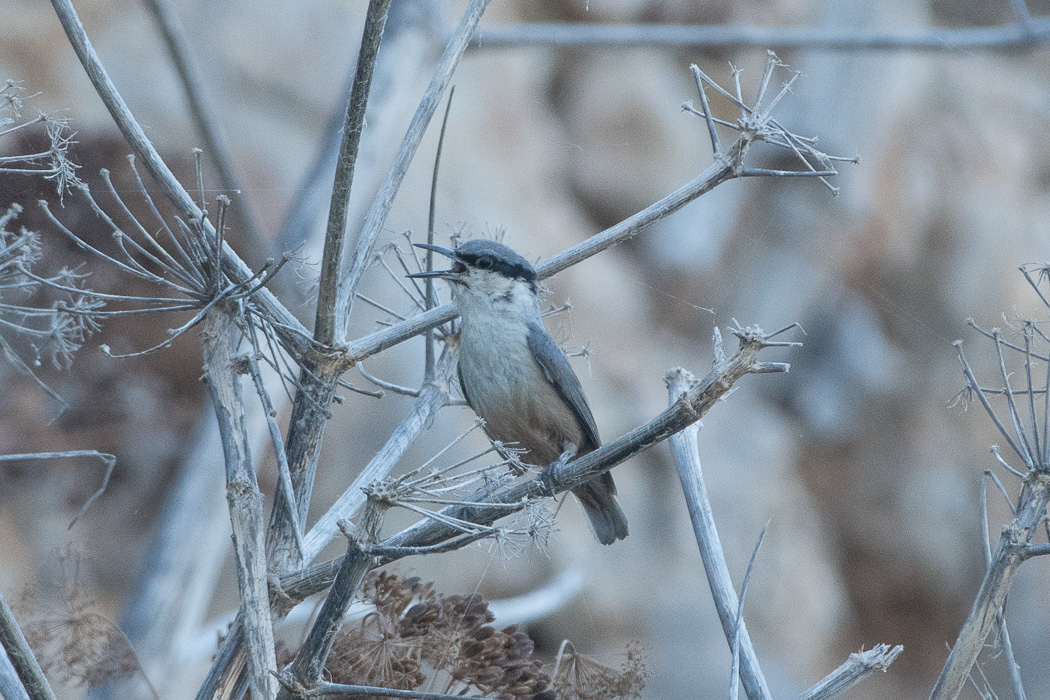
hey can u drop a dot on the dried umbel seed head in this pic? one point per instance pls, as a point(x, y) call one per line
point(501, 663)
point(579, 677)
point(414, 631)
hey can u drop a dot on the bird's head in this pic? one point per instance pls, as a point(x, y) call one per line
point(483, 269)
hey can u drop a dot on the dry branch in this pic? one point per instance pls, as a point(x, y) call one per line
point(11, 687)
point(988, 605)
point(335, 235)
point(1029, 440)
point(859, 666)
point(307, 667)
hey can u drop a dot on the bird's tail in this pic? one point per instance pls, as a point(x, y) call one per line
point(598, 498)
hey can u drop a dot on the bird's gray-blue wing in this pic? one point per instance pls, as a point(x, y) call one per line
point(463, 384)
point(557, 370)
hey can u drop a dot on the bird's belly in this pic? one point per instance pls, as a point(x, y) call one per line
point(519, 406)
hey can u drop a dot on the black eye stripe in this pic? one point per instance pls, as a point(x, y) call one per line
point(484, 254)
point(510, 270)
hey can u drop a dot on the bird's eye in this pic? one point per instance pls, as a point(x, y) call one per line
point(484, 262)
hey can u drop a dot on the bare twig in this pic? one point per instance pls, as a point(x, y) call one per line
point(443, 548)
point(859, 666)
point(270, 413)
point(21, 656)
point(1004, 633)
point(716, 143)
point(679, 381)
point(1025, 451)
point(976, 388)
point(738, 623)
point(109, 460)
point(430, 297)
point(1013, 37)
point(389, 386)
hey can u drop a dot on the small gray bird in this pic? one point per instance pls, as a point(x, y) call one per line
point(515, 376)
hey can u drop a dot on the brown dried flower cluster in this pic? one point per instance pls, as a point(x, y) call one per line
point(77, 643)
point(416, 638)
point(579, 677)
point(375, 652)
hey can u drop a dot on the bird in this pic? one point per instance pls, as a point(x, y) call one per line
point(515, 377)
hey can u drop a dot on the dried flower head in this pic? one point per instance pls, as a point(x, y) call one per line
point(417, 636)
point(42, 317)
point(77, 642)
point(51, 164)
point(579, 677)
point(375, 652)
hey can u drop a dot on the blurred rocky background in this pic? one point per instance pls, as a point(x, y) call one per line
point(869, 478)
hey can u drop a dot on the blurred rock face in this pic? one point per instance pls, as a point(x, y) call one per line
point(870, 480)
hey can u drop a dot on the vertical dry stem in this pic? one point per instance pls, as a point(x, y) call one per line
point(335, 237)
point(726, 603)
point(377, 214)
point(220, 339)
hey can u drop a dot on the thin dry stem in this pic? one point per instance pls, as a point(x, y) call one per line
point(1006, 38)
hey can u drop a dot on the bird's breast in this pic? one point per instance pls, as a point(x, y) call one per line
point(507, 389)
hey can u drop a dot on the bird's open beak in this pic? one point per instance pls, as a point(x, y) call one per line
point(452, 275)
